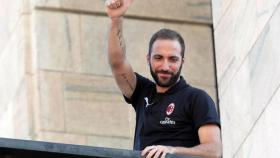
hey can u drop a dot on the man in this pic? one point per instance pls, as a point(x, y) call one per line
point(171, 116)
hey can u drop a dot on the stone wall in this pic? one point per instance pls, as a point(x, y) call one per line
point(54, 70)
point(15, 70)
point(246, 36)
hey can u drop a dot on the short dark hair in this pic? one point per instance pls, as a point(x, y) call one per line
point(167, 34)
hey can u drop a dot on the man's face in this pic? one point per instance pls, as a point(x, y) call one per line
point(165, 62)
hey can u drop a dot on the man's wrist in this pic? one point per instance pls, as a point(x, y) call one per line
point(172, 150)
point(116, 19)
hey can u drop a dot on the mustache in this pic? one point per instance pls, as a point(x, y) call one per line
point(164, 72)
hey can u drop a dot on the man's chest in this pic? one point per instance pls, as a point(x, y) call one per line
point(165, 114)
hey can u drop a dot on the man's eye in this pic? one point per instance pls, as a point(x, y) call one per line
point(157, 57)
point(174, 59)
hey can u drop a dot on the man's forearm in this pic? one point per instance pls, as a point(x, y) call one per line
point(208, 150)
point(116, 44)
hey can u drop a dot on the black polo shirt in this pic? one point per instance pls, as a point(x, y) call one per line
point(171, 118)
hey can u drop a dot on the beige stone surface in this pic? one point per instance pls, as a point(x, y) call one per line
point(219, 8)
point(60, 49)
point(12, 63)
point(4, 34)
point(33, 105)
point(94, 107)
point(59, 137)
point(263, 140)
point(84, 5)
point(13, 103)
point(251, 90)
point(9, 17)
point(236, 33)
point(235, 111)
point(21, 114)
point(76, 82)
point(51, 99)
point(93, 44)
point(26, 7)
point(107, 123)
point(14, 121)
point(97, 114)
point(111, 142)
point(6, 119)
point(30, 57)
point(46, 3)
point(131, 121)
point(181, 10)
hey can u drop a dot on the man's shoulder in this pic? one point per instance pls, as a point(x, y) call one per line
point(143, 85)
point(191, 94)
point(143, 80)
point(194, 90)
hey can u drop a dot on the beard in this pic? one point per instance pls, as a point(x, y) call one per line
point(165, 82)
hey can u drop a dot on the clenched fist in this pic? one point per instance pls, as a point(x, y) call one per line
point(117, 8)
point(113, 4)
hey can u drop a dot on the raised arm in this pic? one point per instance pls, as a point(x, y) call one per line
point(120, 66)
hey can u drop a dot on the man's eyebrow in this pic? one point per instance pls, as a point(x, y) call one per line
point(157, 54)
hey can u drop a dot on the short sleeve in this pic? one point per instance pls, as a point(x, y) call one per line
point(142, 85)
point(204, 110)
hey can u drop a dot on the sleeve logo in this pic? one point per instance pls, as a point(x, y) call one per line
point(147, 102)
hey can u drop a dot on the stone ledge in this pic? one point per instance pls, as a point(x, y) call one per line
point(14, 148)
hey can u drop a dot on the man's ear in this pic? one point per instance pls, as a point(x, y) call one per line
point(183, 60)
point(148, 58)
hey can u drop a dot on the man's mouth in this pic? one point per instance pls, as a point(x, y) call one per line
point(164, 75)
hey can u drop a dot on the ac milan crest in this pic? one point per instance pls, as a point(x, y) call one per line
point(170, 109)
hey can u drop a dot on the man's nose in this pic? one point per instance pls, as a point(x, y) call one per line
point(165, 65)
